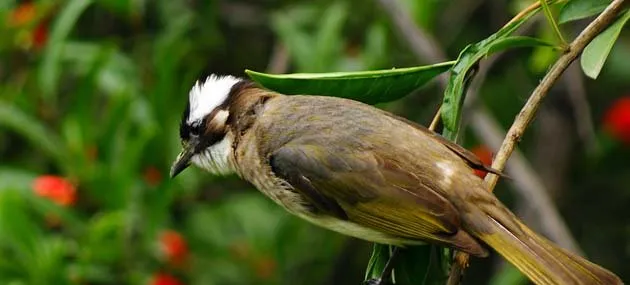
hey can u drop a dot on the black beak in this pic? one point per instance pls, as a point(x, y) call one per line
point(183, 159)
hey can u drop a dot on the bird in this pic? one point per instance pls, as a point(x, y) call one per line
point(363, 172)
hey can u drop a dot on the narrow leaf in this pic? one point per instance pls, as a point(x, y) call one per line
point(15, 179)
point(595, 54)
point(51, 66)
point(580, 9)
point(516, 42)
point(422, 265)
point(466, 64)
point(34, 131)
point(378, 259)
point(366, 86)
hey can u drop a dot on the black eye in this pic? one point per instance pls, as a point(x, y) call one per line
point(195, 129)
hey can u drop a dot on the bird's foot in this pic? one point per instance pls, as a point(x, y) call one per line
point(376, 281)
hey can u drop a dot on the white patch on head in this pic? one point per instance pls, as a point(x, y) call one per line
point(447, 171)
point(205, 97)
point(216, 158)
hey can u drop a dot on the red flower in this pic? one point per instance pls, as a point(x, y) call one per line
point(174, 247)
point(22, 15)
point(485, 155)
point(617, 119)
point(39, 36)
point(55, 188)
point(164, 279)
point(265, 268)
point(152, 176)
point(33, 28)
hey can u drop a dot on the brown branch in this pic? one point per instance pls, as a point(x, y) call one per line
point(279, 61)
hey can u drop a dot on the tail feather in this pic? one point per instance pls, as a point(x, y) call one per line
point(540, 260)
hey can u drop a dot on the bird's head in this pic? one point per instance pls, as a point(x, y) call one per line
point(203, 128)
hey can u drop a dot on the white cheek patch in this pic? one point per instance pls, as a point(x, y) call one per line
point(216, 158)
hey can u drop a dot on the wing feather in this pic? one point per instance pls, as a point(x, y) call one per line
point(364, 189)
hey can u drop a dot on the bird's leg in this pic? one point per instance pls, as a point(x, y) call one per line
point(387, 270)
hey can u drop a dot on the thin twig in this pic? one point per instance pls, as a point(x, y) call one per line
point(421, 43)
point(552, 21)
point(436, 119)
point(528, 10)
point(526, 114)
point(279, 61)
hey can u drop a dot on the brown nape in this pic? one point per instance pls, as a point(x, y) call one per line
point(244, 103)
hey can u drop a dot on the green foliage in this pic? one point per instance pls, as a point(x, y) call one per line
point(51, 65)
point(580, 9)
point(596, 52)
point(467, 62)
point(368, 86)
point(509, 275)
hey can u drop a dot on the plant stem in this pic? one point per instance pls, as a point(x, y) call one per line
point(552, 22)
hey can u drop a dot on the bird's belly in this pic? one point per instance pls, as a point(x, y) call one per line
point(283, 195)
point(355, 230)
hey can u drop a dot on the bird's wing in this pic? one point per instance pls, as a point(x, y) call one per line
point(373, 192)
point(462, 152)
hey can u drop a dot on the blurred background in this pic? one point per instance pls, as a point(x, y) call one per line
point(91, 95)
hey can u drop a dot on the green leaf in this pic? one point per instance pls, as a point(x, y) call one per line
point(415, 265)
point(18, 230)
point(509, 275)
point(370, 87)
point(516, 42)
point(378, 259)
point(328, 40)
point(431, 260)
point(595, 54)
point(31, 129)
point(50, 70)
point(296, 41)
point(374, 53)
point(463, 70)
point(314, 40)
point(580, 9)
point(15, 179)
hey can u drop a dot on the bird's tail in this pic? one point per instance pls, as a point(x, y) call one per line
point(539, 259)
